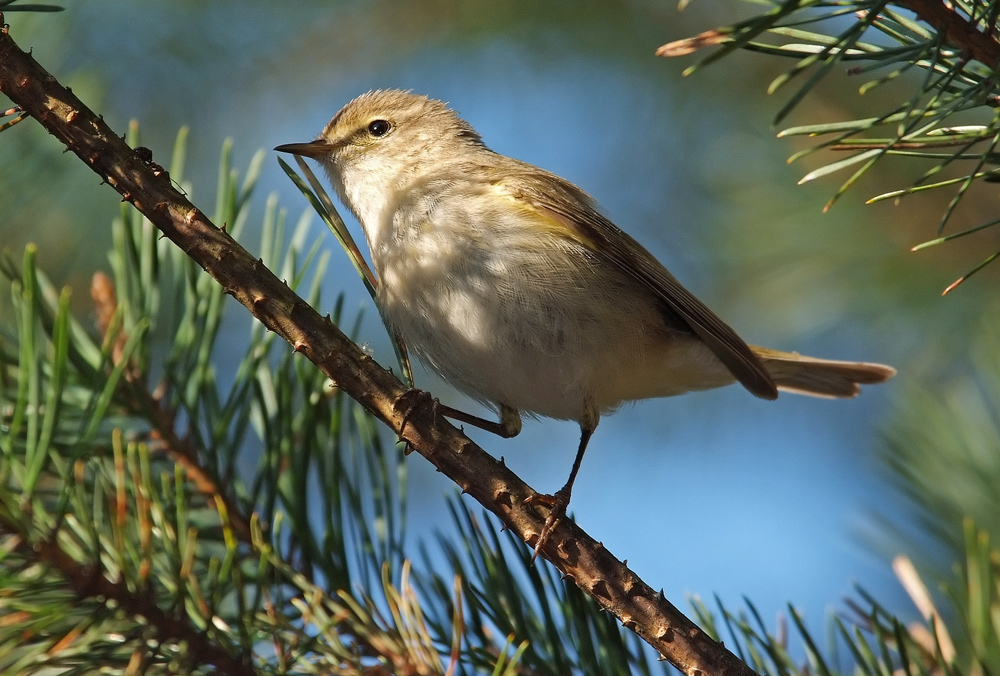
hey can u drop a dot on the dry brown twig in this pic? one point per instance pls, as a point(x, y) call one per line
point(580, 558)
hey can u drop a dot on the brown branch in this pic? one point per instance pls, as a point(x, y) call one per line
point(185, 454)
point(163, 418)
point(90, 583)
point(957, 30)
point(578, 556)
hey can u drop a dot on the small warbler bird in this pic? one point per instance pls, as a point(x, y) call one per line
point(507, 281)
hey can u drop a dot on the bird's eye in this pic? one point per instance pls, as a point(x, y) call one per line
point(379, 128)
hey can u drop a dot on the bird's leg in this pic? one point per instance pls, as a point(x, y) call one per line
point(559, 502)
point(508, 426)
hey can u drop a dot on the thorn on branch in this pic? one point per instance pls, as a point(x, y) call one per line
point(601, 589)
point(145, 155)
point(503, 498)
point(666, 634)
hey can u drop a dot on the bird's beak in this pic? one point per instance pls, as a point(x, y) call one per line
point(316, 148)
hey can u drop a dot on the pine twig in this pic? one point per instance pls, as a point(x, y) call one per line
point(148, 404)
point(90, 583)
point(957, 30)
point(579, 557)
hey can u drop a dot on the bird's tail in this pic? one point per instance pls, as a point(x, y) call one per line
point(792, 372)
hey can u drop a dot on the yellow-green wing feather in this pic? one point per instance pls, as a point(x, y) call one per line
point(566, 203)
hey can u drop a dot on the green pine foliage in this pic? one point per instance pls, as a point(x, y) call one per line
point(939, 59)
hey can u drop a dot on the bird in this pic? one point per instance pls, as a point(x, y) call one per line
point(509, 282)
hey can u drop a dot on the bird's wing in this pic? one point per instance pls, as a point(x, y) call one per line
point(571, 207)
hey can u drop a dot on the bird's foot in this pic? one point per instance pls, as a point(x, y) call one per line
point(557, 504)
point(408, 404)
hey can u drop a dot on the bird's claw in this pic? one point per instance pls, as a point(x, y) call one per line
point(408, 404)
point(557, 505)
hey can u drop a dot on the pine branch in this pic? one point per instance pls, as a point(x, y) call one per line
point(957, 30)
point(149, 404)
point(181, 447)
point(136, 520)
point(955, 44)
point(578, 556)
point(93, 585)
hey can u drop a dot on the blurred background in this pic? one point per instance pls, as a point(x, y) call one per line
point(715, 493)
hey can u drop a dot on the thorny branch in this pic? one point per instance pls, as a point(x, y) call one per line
point(580, 558)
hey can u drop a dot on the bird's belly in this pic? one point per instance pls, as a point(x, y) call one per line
point(556, 348)
point(524, 356)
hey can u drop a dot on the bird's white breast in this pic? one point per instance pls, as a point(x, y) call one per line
point(513, 314)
